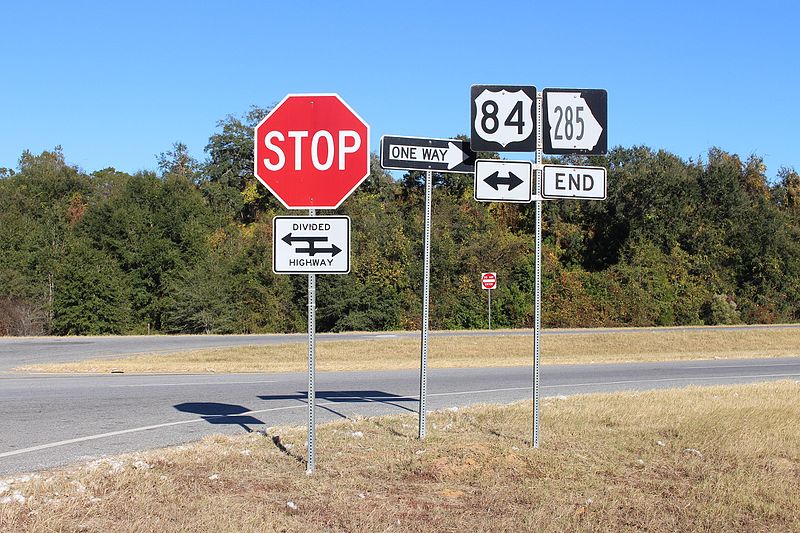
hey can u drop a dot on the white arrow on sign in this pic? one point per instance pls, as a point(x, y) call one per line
point(454, 156)
point(572, 124)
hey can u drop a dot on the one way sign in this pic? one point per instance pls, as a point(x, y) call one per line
point(503, 181)
point(418, 153)
point(311, 245)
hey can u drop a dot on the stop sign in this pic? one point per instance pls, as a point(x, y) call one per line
point(488, 280)
point(312, 151)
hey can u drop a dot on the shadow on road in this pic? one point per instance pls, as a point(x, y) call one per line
point(220, 413)
point(230, 414)
point(348, 396)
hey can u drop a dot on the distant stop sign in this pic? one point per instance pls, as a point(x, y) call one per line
point(312, 151)
point(488, 280)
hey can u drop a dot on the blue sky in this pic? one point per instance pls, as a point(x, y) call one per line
point(116, 83)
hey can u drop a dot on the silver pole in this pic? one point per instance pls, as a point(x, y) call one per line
point(537, 328)
point(426, 277)
point(312, 429)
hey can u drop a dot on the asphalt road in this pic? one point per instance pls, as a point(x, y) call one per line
point(18, 351)
point(48, 421)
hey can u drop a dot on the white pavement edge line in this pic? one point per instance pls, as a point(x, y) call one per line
point(212, 383)
point(597, 383)
point(755, 364)
point(286, 408)
point(134, 430)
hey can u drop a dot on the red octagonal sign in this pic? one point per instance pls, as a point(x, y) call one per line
point(312, 151)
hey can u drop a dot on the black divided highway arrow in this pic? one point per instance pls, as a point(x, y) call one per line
point(493, 180)
point(311, 250)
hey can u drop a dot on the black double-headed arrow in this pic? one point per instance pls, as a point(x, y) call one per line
point(494, 179)
point(311, 250)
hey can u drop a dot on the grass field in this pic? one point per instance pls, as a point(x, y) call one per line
point(509, 350)
point(696, 459)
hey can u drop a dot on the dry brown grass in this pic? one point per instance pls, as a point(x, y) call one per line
point(463, 352)
point(696, 459)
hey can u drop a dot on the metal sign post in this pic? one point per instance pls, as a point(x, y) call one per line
point(430, 155)
point(537, 325)
point(289, 162)
point(554, 121)
point(426, 279)
point(312, 364)
point(489, 282)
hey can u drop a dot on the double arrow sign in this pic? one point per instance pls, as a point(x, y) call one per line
point(503, 181)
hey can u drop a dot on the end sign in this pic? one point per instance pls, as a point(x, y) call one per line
point(582, 183)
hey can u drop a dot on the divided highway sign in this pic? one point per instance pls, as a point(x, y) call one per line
point(579, 183)
point(575, 121)
point(503, 118)
point(503, 181)
point(311, 245)
point(417, 153)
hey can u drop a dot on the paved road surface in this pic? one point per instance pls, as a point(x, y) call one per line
point(48, 421)
point(16, 352)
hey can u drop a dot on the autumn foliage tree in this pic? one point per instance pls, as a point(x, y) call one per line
point(187, 249)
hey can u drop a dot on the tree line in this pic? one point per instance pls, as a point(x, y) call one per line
point(186, 248)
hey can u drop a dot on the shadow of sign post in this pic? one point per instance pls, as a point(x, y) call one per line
point(221, 413)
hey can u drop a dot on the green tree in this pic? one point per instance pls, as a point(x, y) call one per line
point(91, 296)
point(227, 174)
point(38, 208)
point(151, 227)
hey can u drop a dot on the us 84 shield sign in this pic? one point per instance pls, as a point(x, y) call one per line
point(503, 118)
